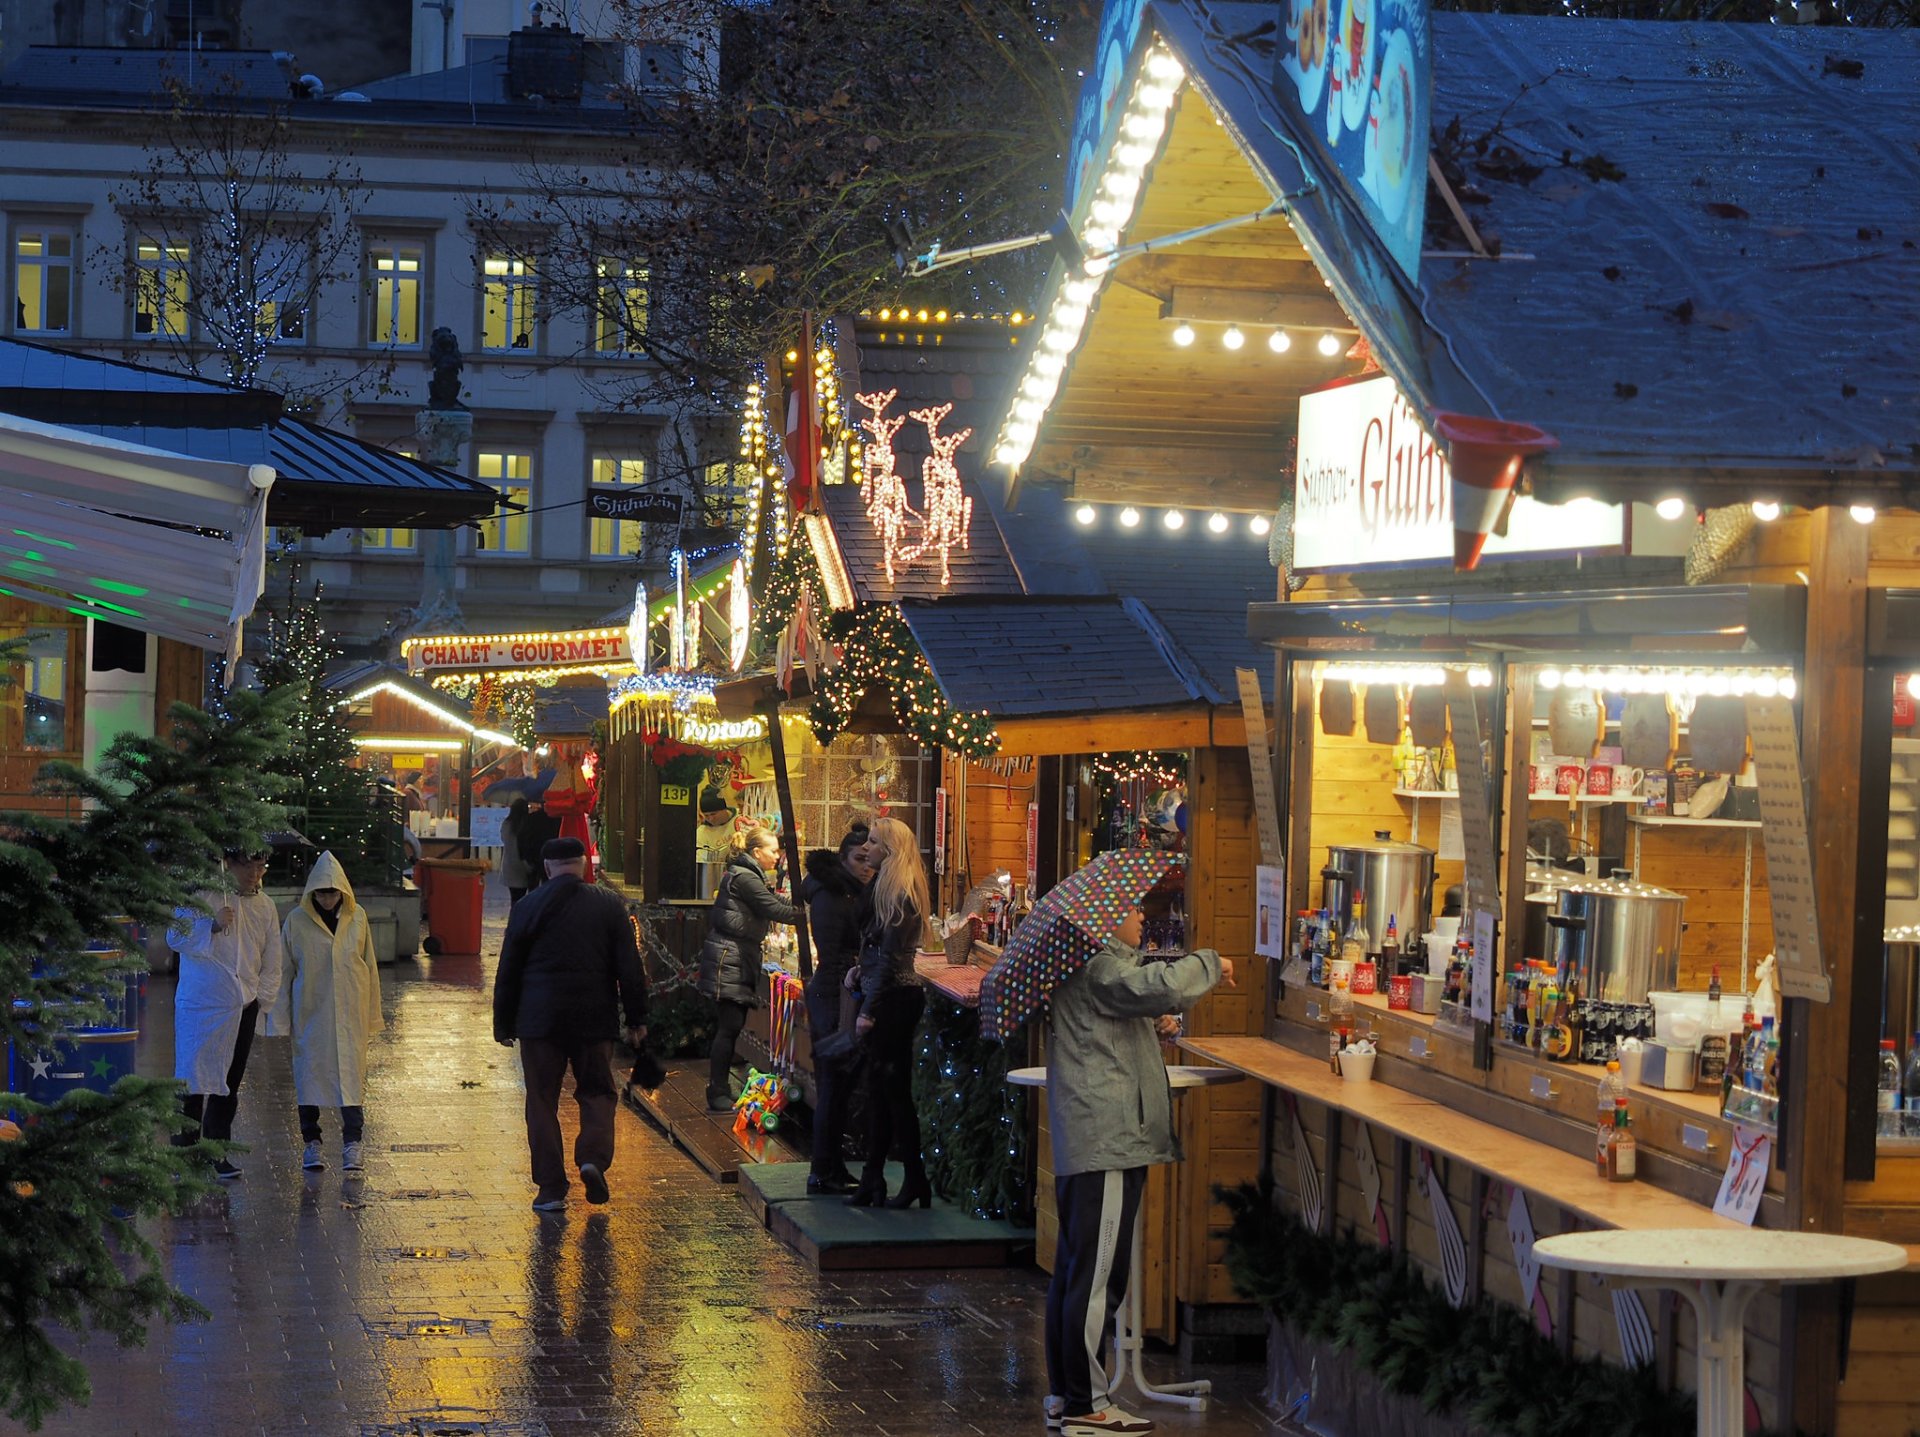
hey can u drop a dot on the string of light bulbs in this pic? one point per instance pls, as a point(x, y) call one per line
point(1279, 341)
point(1172, 520)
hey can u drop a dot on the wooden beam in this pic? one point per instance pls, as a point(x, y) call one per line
point(1817, 1100)
point(1097, 733)
point(1296, 309)
point(1248, 481)
point(1160, 274)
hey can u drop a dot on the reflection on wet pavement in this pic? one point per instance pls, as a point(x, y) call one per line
point(425, 1297)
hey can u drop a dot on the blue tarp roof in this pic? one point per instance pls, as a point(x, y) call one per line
point(1739, 302)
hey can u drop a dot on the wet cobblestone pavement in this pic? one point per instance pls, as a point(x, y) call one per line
point(425, 1297)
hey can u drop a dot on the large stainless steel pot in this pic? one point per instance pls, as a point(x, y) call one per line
point(1543, 887)
point(1617, 939)
point(1395, 877)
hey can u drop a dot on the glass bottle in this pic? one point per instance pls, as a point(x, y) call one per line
point(1353, 943)
point(1623, 1151)
point(1613, 1093)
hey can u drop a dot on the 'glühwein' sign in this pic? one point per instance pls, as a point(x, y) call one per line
point(1371, 487)
point(619, 501)
point(590, 648)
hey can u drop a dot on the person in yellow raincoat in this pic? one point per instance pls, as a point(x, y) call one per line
point(329, 1003)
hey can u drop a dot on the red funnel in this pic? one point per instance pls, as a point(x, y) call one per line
point(1484, 457)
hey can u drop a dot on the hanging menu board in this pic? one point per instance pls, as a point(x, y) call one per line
point(1476, 831)
point(1266, 803)
point(1783, 823)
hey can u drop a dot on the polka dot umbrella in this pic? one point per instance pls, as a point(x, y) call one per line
point(1066, 928)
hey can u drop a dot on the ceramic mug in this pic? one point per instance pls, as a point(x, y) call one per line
point(1566, 780)
point(1600, 780)
point(1543, 778)
point(1365, 979)
point(1400, 992)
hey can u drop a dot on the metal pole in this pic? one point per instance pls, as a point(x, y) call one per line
point(789, 835)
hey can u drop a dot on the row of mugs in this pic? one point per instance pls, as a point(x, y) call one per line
point(1596, 780)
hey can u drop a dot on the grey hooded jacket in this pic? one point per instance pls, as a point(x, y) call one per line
point(1108, 1103)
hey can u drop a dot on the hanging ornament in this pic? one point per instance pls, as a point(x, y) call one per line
point(1719, 535)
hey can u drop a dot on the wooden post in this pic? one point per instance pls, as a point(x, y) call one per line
point(1819, 1035)
point(789, 835)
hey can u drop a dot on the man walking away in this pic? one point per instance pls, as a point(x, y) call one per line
point(568, 966)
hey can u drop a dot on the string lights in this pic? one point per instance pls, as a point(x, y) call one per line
point(887, 506)
point(1679, 683)
point(445, 715)
point(948, 511)
point(878, 653)
point(1406, 676)
point(1143, 126)
point(1161, 769)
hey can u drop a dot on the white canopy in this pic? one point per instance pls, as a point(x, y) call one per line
point(144, 537)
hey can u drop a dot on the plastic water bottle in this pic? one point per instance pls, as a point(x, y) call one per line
point(1910, 1089)
point(1887, 1099)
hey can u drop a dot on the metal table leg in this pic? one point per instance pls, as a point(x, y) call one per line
point(1129, 1338)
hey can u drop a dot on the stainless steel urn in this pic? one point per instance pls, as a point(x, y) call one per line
point(1395, 877)
point(1617, 939)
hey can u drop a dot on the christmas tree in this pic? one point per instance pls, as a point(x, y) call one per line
point(333, 802)
point(77, 1176)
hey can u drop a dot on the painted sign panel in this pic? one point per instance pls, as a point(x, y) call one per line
point(587, 648)
point(1101, 94)
point(620, 501)
point(1356, 78)
point(1372, 488)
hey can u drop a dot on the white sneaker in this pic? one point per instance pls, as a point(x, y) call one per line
point(1055, 1408)
point(313, 1162)
point(1112, 1419)
point(350, 1158)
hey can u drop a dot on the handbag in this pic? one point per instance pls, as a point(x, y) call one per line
point(842, 1046)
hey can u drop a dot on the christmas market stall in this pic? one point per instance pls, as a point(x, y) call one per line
point(1592, 625)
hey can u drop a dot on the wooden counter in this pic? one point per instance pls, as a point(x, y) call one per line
point(1559, 1177)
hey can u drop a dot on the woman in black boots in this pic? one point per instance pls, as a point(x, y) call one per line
point(743, 910)
point(891, 1002)
point(835, 892)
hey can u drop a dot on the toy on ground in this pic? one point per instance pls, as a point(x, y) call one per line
point(763, 1100)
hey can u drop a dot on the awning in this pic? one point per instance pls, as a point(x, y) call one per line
point(142, 537)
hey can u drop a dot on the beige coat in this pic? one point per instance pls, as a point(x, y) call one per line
point(330, 999)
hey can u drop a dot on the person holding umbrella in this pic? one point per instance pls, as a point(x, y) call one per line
point(1109, 1107)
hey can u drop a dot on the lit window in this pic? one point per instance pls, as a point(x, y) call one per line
point(43, 282)
point(395, 281)
point(509, 531)
point(281, 292)
point(389, 541)
point(43, 691)
point(616, 538)
point(161, 289)
point(507, 309)
point(620, 305)
point(728, 492)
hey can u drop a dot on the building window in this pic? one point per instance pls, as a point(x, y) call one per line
point(161, 287)
point(43, 281)
point(508, 295)
point(620, 305)
point(43, 691)
point(281, 292)
point(396, 285)
point(390, 541)
point(727, 492)
point(509, 531)
point(616, 538)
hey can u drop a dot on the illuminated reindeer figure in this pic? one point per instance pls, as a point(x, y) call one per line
point(887, 504)
point(948, 512)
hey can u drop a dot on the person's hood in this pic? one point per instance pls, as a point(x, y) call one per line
point(328, 872)
point(825, 868)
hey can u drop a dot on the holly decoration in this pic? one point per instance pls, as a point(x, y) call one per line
point(877, 649)
point(683, 764)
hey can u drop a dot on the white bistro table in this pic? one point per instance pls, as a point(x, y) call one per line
point(1128, 1321)
point(1719, 1272)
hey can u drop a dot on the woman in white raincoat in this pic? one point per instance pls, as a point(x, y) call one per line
point(330, 1003)
point(230, 966)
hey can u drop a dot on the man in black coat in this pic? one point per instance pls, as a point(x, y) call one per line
point(568, 967)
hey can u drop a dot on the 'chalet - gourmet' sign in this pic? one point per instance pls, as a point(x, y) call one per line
point(585, 649)
point(1371, 487)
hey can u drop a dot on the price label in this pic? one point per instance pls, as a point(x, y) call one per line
point(1745, 1180)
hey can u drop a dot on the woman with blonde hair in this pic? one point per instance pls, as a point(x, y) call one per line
point(891, 1002)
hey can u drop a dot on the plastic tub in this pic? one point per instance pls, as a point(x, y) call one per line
point(1439, 954)
point(1356, 1067)
point(1682, 1017)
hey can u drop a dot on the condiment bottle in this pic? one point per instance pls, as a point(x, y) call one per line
point(1613, 1093)
point(1390, 947)
point(1340, 1006)
point(1622, 1150)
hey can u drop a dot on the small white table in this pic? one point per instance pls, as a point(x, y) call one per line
point(1719, 1272)
point(1128, 1322)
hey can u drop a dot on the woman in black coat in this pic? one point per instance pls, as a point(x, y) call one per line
point(834, 892)
point(743, 910)
point(892, 999)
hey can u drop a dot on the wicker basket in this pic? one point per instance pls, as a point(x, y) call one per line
point(959, 943)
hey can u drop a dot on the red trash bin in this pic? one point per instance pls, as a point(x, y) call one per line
point(455, 893)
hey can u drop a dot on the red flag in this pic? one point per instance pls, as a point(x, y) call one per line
point(800, 447)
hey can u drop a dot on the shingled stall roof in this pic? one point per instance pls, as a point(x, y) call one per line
point(327, 480)
point(1710, 280)
point(1023, 658)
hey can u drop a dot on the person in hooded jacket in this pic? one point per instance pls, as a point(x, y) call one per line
point(744, 908)
point(834, 891)
point(1110, 1114)
point(329, 1003)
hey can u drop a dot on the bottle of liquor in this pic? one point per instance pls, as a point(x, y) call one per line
point(1390, 947)
point(1623, 1151)
point(1322, 947)
point(1613, 1094)
point(1353, 943)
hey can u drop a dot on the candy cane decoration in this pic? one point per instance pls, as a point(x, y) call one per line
point(1453, 1251)
point(1636, 1330)
point(1521, 1234)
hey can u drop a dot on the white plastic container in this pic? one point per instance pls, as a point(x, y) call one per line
point(1439, 954)
point(1682, 1017)
point(1356, 1067)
